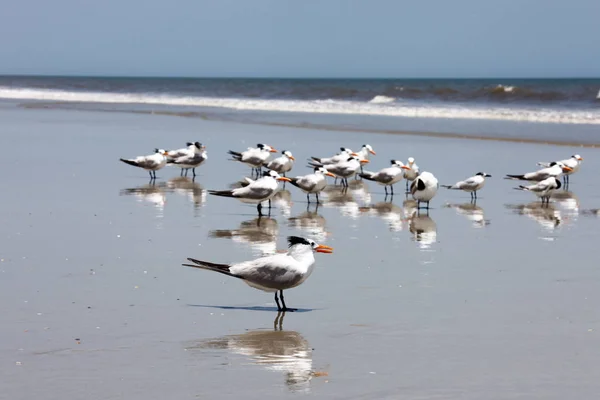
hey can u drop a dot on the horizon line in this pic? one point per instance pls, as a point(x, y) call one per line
point(290, 77)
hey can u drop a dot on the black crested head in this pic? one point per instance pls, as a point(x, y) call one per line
point(350, 159)
point(364, 145)
point(480, 174)
point(294, 240)
point(317, 169)
point(198, 145)
point(260, 146)
point(189, 144)
point(266, 173)
point(558, 184)
point(156, 150)
point(283, 151)
point(553, 163)
point(393, 162)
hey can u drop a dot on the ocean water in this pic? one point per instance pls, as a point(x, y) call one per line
point(551, 101)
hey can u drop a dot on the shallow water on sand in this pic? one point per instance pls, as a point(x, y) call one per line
point(497, 300)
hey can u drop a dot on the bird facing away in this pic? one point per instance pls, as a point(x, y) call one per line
point(281, 164)
point(274, 273)
point(574, 162)
point(471, 185)
point(423, 188)
point(191, 160)
point(387, 176)
point(412, 172)
point(313, 183)
point(543, 189)
point(254, 156)
point(554, 170)
point(256, 192)
point(150, 163)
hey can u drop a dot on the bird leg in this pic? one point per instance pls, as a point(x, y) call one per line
point(269, 204)
point(385, 187)
point(317, 194)
point(194, 172)
point(283, 302)
point(259, 208)
point(277, 302)
point(307, 198)
point(392, 189)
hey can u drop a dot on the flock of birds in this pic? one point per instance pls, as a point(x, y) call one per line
point(279, 272)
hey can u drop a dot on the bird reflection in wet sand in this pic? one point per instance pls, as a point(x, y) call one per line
point(310, 222)
point(260, 233)
point(341, 198)
point(152, 193)
point(360, 191)
point(283, 201)
point(472, 212)
point(424, 229)
point(546, 215)
point(568, 201)
point(276, 350)
point(189, 188)
point(389, 212)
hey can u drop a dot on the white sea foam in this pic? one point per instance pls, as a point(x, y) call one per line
point(381, 99)
point(406, 109)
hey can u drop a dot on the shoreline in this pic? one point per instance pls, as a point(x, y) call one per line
point(222, 116)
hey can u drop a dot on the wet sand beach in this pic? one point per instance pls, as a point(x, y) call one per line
point(497, 300)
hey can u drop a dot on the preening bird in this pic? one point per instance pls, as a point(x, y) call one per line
point(424, 187)
point(256, 192)
point(471, 185)
point(387, 176)
point(543, 189)
point(274, 273)
point(313, 183)
point(150, 163)
point(554, 170)
point(254, 156)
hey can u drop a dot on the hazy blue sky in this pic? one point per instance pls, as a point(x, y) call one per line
point(301, 38)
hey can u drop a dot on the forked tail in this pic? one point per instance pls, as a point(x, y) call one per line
point(220, 268)
point(130, 162)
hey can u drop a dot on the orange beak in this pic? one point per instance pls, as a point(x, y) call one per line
point(292, 158)
point(372, 152)
point(405, 167)
point(354, 154)
point(568, 169)
point(166, 153)
point(580, 158)
point(364, 161)
point(324, 249)
point(283, 178)
point(330, 174)
point(273, 150)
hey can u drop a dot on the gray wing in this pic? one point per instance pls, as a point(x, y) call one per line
point(147, 163)
point(307, 184)
point(189, 159)
point(253, 192)
point(273, 275)
point(470, 184)
point(383, 177)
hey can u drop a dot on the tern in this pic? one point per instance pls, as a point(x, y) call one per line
point(574, 163)
point(343, 169)
point(364, 152)
point(150, 163)
point(543, 189)
point(313, 183)
point(410, 174)
point(189, 149)
point(554, 170)
point(387, 176)
point(274, 273)
point(343, 155)
point(254, 156)
point(424, 187)
point(191, 160)
point(282, 164)
point(471, 185)
point(255, 192)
